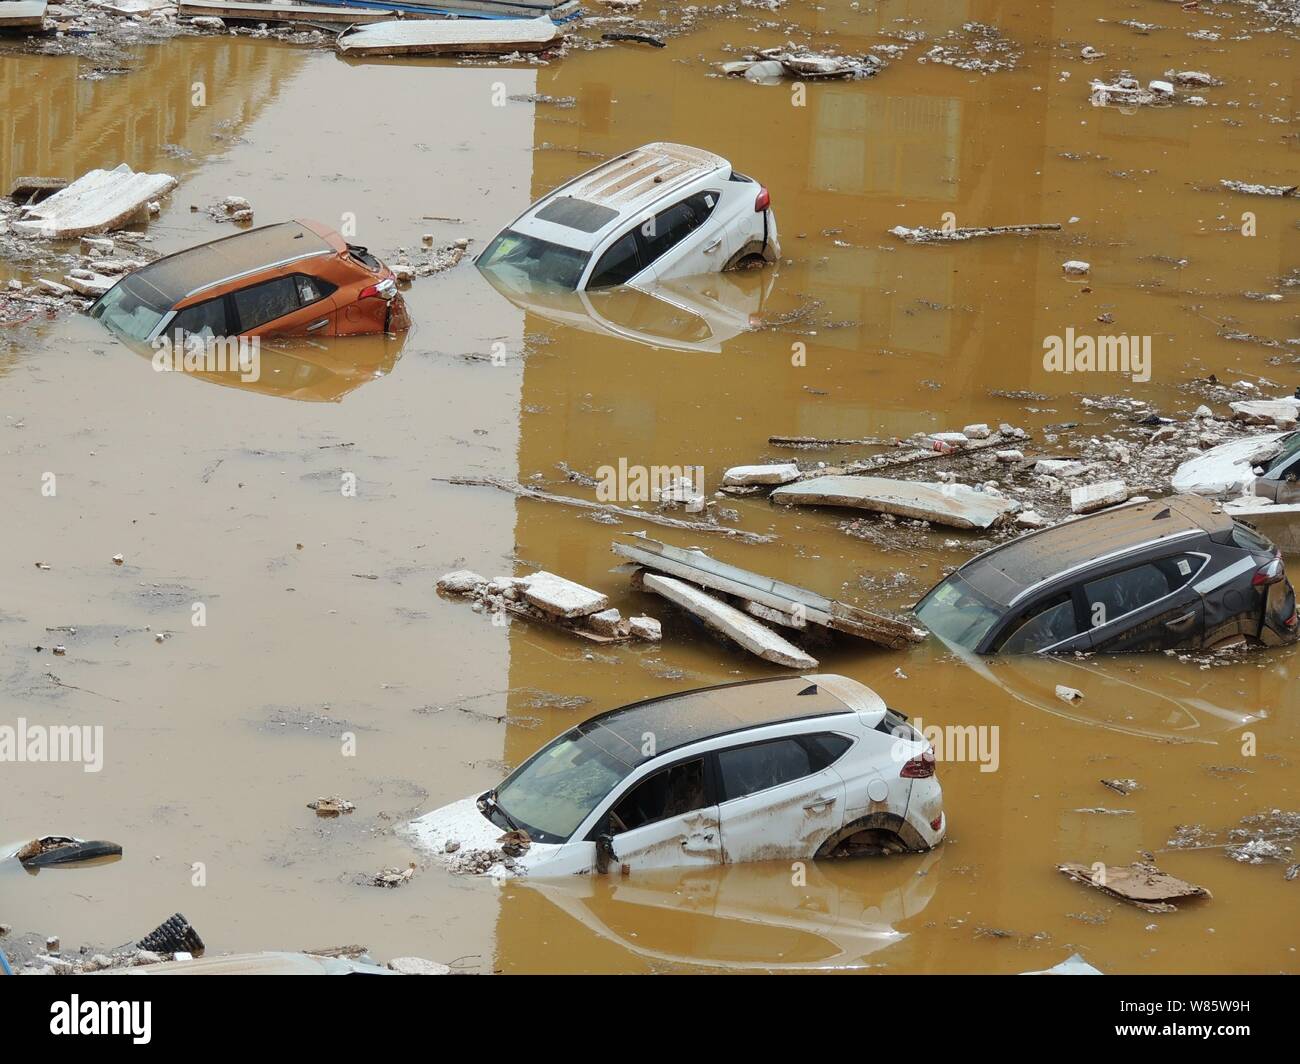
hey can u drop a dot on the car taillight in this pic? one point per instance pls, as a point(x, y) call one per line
point(920, 767)
point(385, 289)
point(762, 201)
point(1269, 573)
point(936, 823)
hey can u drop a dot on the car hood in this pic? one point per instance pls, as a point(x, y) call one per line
point(461, 824)
point(1229, 468)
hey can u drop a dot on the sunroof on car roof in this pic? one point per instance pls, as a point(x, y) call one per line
point(577, 214)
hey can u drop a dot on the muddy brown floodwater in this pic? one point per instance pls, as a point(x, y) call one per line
point(321, 615)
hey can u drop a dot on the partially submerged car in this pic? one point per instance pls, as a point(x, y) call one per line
point(658, 212)
point(1169, 573)
point(776, 769)
point(1266, 465)
point(288, 279)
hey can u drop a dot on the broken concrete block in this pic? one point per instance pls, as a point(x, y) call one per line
point(607, 622)
point(770, 613)
point(976, 432)
point(957, 439)
point(1068, 694)
point(1266, 411)
point(646, 628)
point(91, 245)
point(89, 283)
point(1030, 519)
point(747, 475)
point(1088, 498)
point(417, 966)
point(460, 582)
point(562, 598)
point(1009, 456)
point(954, 505)
point(53, 287)
point(1161, 88)
point(95, 203)
point(1059, 467)
point(1076, 267)
point(729, 621)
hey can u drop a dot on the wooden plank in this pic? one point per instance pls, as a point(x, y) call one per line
point(23, 15)
point(740, 628)
point(449, 37)
point(699, 568)
point(264, 12)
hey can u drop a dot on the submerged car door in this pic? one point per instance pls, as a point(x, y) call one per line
point(292, 305)
point(667, 819)
point(677, 243)
point(776, 801)
point(1146, 607)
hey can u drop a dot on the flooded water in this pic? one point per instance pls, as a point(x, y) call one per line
point(321, 616)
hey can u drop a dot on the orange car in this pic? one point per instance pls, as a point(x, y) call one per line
point(289, 279)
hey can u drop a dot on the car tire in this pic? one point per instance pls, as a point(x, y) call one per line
point(876, 834)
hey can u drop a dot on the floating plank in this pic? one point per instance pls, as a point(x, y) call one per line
point(563, 11)
point(955, 505)
point(449, 37)
point(739, 627)
point(265, 12)
point(789, 599)
point(95, 203)
point(23, 15)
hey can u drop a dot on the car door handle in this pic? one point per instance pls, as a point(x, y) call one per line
point(820, 803)
point(696, 843)
point(1179, 623)
point(318, 324)
point(710, 248)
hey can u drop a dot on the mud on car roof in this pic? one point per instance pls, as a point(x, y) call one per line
point(1005, 572)
point(676, 720)
point(643, 174)
point(179, 276)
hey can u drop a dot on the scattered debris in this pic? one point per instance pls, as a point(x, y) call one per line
point(173, 935)
point(394, 877)
point(925, 235)
point(1142, 885)
point(771, 64)
point(61, 850)
point(232, 209)
point(331, 807)
point(1125, 786)
point(1260, 190)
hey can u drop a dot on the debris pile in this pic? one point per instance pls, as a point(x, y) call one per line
point(770, 65)
point(975, 46)
point(922, 234)
point(428, 259)
point(1258, 839)
point(551, 599)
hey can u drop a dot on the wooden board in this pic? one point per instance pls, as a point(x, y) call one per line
point(262, 12)
point(449, 37)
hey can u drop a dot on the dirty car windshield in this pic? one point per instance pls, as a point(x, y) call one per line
point(957, 613)
point(520, 259)
point(552, 793)
point(131, 308)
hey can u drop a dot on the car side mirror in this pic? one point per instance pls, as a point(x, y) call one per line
point(605, 855)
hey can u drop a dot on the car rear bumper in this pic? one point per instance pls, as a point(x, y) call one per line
point(1281, 623)
point(925, 812)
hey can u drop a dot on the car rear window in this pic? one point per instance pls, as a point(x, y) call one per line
point(957, 613)
point(1249, 539)
point(527, 260)
point(132, 308)
point(577, 214)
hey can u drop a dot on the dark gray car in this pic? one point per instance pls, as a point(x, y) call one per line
point(1171, 573)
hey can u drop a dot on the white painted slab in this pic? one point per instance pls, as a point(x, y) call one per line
point(95, 203)
point(449, 37)
point(955, 505)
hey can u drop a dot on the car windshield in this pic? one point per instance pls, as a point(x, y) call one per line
point(520, 260)
point(131, 308)
point(957, 613)
point(554, 790)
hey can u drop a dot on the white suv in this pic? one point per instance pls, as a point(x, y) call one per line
point(782, 769)
point(657, 212)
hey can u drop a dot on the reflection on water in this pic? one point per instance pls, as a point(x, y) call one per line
point(832, 915)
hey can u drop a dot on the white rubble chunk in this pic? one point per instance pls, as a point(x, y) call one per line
point(562, 598)
point(721, 617)
point(1009, 456)
point(607, 622)
point(1068, 694)
point(460, 582)
point(954, 505)
point(1076, 267)
point(95, 203)
point(1089, 498)
point(745, 475)
point(1060, 467)
point(976, 432)
point(1284, 411)
point(417, 966)
point(646, 628)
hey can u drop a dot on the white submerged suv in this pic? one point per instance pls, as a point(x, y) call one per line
point(789, 768)
point(655, 213)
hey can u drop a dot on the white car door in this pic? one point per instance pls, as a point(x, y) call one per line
point(683, 240)
point(775, 803)
point(666, 819)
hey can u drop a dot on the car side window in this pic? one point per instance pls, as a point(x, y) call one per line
point(619, 263)
point(671, 226)
point(206, 320)
point(1047, 626)
point(266, 302)
point(825, 748)
point(670, 792)
point(749, 769)
point(312, 289)
point(1287, 462)
point(1113, 596)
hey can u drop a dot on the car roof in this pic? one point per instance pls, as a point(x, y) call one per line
point(176, 277)
point(609, 193)
point(1004, 573)
point(705, 713)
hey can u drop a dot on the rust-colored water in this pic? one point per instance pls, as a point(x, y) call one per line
point(217, 738)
